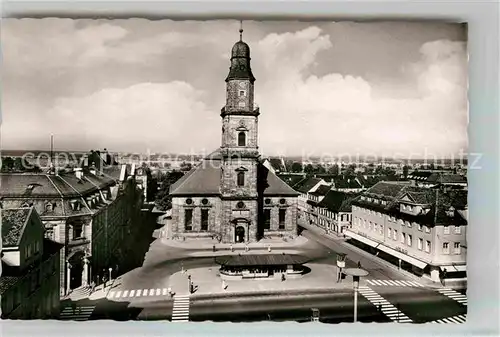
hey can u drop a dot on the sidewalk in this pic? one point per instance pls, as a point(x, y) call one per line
point(321, 279)
point(340, 240)
point(101, 292)
point(208, 244)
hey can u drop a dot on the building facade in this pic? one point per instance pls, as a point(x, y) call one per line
point(232, 195)
point(86, 210)
point(423, 229)
point(30, 278)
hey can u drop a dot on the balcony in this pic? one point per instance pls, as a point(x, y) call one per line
point(240, 111)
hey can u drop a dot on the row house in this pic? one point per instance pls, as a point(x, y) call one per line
point(420, 229)
point(29, 285)
point(334, 212)
point(432, 179)
point(304, 187)
point(87, 210)
point(313, 199)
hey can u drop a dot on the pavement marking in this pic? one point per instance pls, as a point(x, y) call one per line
point(158, 292)
point(151, 292)
point(80, 314)
point(454, 295)
point(111, 294)
point(164, 291)
point(132, 293)
point(180, 309)
point(460, 319)
point(125, 293)
point(118, 293)
point(394, 283)
point(138, 293)
point(388, 309)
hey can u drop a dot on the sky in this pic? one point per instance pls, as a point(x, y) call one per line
point(323, 88)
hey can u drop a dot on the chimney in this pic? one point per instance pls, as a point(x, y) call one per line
point(78, 173)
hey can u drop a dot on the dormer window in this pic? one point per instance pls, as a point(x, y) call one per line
point(49, 207)
point(242, 93)
point(450, 212)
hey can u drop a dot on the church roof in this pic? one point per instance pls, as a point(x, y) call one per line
point(205, 180)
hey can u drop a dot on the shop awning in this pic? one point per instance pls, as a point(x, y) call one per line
point(388, 250)
point(404, 257)
point(454, 268)
point(360, 238)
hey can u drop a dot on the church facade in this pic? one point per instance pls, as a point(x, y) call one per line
point(231, 195)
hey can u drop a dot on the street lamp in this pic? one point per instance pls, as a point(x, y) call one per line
point(340, 264)
point(356, 273)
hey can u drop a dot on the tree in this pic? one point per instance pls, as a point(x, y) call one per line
point(309, 169)
point(163, 198)
point(405, 171)
point(186, 166)
point(7, 163)
point(334, 170)
point(296, 167)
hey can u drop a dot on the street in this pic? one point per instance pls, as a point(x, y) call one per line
point(418, 303)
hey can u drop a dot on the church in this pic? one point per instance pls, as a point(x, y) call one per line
point(232, 195)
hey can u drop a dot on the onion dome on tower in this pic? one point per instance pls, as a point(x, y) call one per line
point(240, 62)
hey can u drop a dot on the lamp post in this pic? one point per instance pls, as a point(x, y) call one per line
point(340, 264)
point(356, 273)
point(110, 270)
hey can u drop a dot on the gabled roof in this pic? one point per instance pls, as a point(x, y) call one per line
point(347, 183)
point(321, 190)
point(205, 180)
point(337, 201)
point(306, 184)
point(274, 185)
point(440, 202)
point(13, 224)
point(420, 174)
point(47, 185)
point(447, 178)
point(388, 189)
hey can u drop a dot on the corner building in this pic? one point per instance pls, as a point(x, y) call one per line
point(231, 195)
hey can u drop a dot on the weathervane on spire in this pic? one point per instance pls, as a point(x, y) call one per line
point(241, 30)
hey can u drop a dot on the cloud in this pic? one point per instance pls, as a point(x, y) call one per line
point(341, 113)
point(137, 84)
point(145, 114)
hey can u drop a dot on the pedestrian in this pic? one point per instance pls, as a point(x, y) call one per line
point(169, 291)
point(359, 264)
point(231, 247)
point(213, 248)
point(283, 278)
point(73, 307)
point(224, 284)
point(269, 248)
point(104, 282)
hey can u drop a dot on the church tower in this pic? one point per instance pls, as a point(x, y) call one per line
point(239, 150)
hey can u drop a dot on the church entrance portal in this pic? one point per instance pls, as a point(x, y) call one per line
point(239, 234)
point(75, 270)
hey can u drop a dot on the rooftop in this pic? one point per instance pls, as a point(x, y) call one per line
point(13, 224)
point(260, 260)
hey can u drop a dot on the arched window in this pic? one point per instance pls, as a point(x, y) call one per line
point(241, 178)
point(241, 139)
